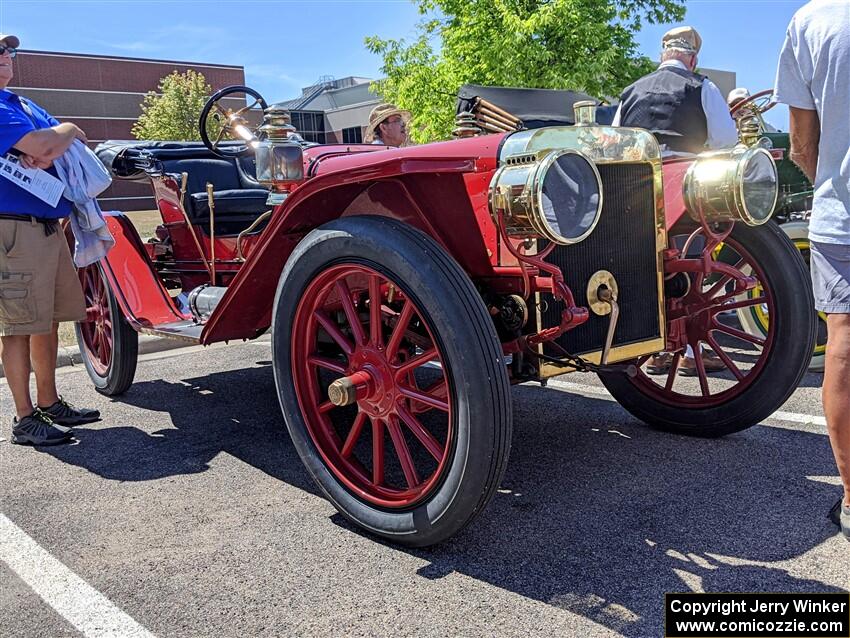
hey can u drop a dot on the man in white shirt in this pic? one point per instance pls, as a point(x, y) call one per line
point(684, 110)
point(813, 79)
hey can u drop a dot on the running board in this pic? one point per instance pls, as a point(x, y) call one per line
point(183, 330)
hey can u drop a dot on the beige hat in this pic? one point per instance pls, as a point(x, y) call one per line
point(10, 40)
point(682, 38)
point(736, 95)
point(381, 113)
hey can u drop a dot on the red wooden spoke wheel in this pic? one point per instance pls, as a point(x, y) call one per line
point(381, 348)
point(715, 326)
point(96, 331)
point(391, 379)
point(760, 371)
point(108, 344)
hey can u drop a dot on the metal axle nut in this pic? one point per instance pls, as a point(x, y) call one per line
point(342, 392)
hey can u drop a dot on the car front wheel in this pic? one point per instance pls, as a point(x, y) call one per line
point(391, 379)
point(760, 371)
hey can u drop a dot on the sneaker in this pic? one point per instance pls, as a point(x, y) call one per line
point(38, 429)
point(710, 361)
point(659, 363)
point(840, 515)
point(64, 413)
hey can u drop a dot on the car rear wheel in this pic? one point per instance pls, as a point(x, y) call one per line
point(755, 319)
point(761, 371)
point(108, 344)
point(391, 379)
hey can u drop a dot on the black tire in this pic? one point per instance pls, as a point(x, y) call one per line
point(473, 362)
point(787, 358)
point(118, 375)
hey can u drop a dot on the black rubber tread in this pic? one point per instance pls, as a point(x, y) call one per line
point(125, 350)
point(787, 361)
point(468, 312)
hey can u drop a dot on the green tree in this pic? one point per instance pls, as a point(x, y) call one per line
point(585, 45)
point(173, 112)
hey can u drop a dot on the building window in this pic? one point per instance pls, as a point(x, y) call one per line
point(310, 125)
point(353, 135)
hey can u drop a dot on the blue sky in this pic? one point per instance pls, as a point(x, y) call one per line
point(285, 45)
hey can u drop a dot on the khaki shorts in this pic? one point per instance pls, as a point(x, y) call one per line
point(38, 281)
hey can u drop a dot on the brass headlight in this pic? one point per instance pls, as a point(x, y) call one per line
point(558, 197)
point(734, 185)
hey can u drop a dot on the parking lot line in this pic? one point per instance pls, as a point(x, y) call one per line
point(597, 391)
point(70, 596)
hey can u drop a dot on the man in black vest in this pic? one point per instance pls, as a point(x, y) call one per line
point(687, 114)
point(684, 110)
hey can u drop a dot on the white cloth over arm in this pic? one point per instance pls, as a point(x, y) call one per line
point(85, 178)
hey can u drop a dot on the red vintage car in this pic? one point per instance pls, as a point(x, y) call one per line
point(407, 289)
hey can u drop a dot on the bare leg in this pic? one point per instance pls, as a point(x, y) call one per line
point(836, 398)
point(43, 350)
point(16, 364)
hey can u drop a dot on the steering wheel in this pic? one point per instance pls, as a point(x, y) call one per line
point(761, 102)
point(233, 122)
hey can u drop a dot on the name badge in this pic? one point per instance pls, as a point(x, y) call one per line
point(35, 181)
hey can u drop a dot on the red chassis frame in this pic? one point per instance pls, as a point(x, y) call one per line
point(413, 185)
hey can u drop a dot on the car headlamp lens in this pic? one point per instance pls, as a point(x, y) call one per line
point(734, 185)
point(570, 197)
point(557, 197)
point(758, 186)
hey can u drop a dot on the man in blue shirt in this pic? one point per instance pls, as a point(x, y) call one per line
point(38, 282)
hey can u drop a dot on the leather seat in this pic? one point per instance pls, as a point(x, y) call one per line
point(238, 197)
point(233, 207)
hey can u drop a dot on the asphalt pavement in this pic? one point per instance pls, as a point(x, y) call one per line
point(186, 512)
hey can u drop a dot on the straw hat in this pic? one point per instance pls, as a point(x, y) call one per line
point(381, 113)
point(683, 39)
point(10, 40)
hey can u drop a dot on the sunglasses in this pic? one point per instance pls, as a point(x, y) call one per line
point(12, 51)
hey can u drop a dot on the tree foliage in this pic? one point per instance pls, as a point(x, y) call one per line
point(173, 112)
point(585, 45)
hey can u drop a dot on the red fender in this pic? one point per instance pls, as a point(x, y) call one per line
point(444, 176)
point(143, 299)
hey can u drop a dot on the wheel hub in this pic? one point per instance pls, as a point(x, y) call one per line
point(380, 393)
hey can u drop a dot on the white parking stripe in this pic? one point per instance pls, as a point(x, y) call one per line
point(598, 391)
point(73, 598)
point(799, 418)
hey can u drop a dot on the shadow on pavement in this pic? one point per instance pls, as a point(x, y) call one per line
point(600, 515)
point(597, 513)
point(235, 412)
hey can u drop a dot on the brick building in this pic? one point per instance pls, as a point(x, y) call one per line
point(103, 96)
